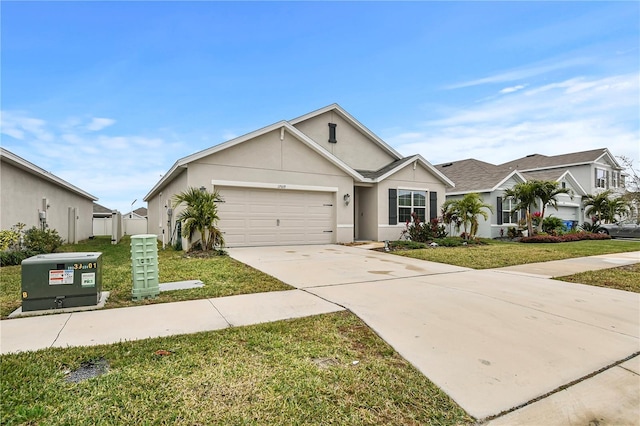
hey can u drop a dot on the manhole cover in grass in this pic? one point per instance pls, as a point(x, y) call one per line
point(88, 370)
point(325, 362)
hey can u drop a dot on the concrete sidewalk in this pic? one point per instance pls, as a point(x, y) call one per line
point(561, 268)
point(164, 319)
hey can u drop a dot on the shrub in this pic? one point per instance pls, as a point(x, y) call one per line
point(422, 231)
point(590, 227)
point(575, 236)
point(552, 225)
point(452, 242)
point(10, 238)
point(42, 241)
point(406, 245)
point(14, 257)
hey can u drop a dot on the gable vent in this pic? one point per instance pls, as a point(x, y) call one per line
point(332, 133)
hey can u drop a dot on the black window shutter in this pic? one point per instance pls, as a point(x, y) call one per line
point(433, 205)
point(393, 207)
point(499, 210)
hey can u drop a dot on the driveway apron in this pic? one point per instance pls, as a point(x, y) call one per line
point(492, 340)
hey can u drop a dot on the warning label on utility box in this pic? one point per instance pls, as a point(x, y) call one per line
point(89, 279)
point(61, 276)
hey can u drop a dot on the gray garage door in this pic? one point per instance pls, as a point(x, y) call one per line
point(263, 217)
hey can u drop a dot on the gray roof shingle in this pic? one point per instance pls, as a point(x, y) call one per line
point(535, 161)
point(472, 174)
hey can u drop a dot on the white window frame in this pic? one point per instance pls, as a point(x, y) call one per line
point(600, 181)
point(615, 179)
point(413, 206)
point(506, 208)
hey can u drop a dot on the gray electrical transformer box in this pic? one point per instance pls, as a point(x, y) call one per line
point(61, 280)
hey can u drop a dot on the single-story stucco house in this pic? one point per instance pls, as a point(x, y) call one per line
point(35, 197)
point(319, 178)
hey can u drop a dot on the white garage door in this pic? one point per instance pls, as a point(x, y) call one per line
point(563, 212)
point(262, 217)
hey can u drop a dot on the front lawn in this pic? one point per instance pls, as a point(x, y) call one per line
point(622, 278)
point(327, 369)
point(497, 254)
point(222, 276)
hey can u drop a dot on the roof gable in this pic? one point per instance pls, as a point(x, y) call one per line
point(395, 166)
point(557, 175)
point(337, 109)
point(283, 126)
point(397, 162)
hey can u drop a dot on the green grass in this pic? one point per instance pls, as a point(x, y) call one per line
point(497, 254)
point(289, 372)
point(622, 278)
point(222, 276)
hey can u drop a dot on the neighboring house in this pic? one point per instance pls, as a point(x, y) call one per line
point(596, 170)
point(135, 222)
point(35, 197)
point(139, 213)
point(102, 220)
point(320, 178)
point(586, 172)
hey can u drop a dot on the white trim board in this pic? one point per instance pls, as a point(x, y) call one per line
point(267, 185)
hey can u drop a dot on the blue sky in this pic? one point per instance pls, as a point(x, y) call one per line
point(108, 95)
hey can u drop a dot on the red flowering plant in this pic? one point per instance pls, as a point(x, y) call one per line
point(535, 218)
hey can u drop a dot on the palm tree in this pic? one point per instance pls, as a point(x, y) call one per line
point(616, 207)
point(525, 195)
point(200, 215)
point(466, 210)
point(597, 205)
point(547, 191)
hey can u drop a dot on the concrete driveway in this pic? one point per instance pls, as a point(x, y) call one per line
point(492, 340)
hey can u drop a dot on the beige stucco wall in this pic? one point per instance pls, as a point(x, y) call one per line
point(265, 160)
point(353, 147)
point(407, 178)
point(158, 205)
point(21, 195)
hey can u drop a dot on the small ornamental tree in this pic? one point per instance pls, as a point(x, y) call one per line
point(466, 210)
point(200, 215)
point(548, 191)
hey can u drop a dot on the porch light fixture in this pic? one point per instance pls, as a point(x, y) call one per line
point(347, 199)
point(203, 189)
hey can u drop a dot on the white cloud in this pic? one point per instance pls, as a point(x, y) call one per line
point(114, 168)
point(19, 126)
point(97, 123)
point(520, 73)
point(567, 116)
point(513, 88)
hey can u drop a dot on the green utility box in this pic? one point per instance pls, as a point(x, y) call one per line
point(61, 280)
point(144, 266)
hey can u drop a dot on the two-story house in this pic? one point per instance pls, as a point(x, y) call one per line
point(585, 172)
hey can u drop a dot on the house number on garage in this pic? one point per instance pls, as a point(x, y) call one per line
point(282, 186)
